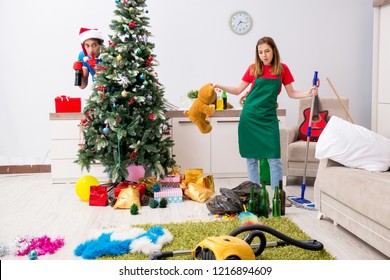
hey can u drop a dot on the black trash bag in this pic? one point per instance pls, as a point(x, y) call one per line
point(226, 203)
point(243, 190)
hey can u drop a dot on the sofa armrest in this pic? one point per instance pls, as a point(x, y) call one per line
point(287, 136)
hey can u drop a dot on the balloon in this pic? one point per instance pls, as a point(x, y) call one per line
point(83, 185)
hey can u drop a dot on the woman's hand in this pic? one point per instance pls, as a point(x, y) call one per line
point(314, 89)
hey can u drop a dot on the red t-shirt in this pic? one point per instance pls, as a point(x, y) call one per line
point(286, 76)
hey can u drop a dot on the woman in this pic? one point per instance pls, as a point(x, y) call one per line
point(91, 41)
point(258, 129)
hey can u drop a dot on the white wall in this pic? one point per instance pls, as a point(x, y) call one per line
point(194, 45)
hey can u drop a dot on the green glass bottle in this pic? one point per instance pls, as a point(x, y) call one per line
point(282, 194)
point(224, 98)
point(276, 203)
point(252, 201)
point(265, 201)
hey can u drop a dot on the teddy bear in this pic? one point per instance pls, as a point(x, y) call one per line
point(202, 108)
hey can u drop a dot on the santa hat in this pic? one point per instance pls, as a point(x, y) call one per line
point(86, 34)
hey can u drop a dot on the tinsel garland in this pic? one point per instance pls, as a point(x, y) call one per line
point(43, 245)
point(24, 245)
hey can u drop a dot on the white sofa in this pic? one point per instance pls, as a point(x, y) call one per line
point(356, 199)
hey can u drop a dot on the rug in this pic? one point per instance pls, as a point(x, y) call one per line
point(188, 234)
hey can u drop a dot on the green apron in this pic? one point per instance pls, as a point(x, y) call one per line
point(258, 129)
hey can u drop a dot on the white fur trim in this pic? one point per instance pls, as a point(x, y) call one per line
point(144, 245)
point(90, 34)
point(129, 234)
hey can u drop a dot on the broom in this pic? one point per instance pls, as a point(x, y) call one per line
point(301, 201)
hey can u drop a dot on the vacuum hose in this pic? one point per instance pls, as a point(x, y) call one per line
point(312, 245)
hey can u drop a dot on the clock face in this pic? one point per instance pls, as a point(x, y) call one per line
point(240, 22)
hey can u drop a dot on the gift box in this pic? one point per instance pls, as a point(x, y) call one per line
point(171, 181)
point(171, 194)
point(136, 172)
point(66, 104)
point(98, 196)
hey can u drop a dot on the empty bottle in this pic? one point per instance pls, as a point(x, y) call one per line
point(276, 203)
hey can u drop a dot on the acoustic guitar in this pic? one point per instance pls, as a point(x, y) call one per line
point(318, 122)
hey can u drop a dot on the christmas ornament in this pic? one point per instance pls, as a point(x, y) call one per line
point(119, 57)
point(142, 77)
point(145, 200)
point(124, 93)
point(133, 155)
point(33, 255)
point(149, 97)
point(151, 117)
point(156, 187)
point(134, 209)
point(106, 130)
point(163, 202)
point(165, 127)
point(132, 100)
point(139, 51)
point(153, 203)
point(132, 24)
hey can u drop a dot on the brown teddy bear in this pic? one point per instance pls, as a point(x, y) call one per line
point(202, 108)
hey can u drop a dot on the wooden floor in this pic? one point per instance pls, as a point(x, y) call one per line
point(30, 205)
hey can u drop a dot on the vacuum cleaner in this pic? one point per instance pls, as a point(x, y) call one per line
point(231, 247)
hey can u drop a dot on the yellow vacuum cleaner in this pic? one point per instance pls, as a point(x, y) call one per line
point(231, 247)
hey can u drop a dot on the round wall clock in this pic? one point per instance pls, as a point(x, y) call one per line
point(240, 22)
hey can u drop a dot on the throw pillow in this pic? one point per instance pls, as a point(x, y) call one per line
point(353, 146)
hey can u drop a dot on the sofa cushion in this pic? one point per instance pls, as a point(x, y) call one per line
point(353, 146)
point(366, 192)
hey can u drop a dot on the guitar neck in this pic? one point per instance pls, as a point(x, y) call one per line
point(315, 108)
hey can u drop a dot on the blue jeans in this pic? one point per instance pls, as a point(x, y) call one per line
point(275, 167)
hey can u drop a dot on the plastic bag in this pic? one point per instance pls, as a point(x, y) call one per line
point(243, 190)
point(226, 203)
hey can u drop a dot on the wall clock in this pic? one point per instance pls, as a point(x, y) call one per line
point(240, 22)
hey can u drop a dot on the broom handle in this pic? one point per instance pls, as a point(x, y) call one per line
point(342, 103)
point(309, 130)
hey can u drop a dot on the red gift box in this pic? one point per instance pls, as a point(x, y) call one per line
point(66, 104)
point(98, 196)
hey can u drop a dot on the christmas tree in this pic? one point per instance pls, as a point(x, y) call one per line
point(124, 122)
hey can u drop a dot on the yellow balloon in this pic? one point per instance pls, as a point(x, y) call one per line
point(83, 185)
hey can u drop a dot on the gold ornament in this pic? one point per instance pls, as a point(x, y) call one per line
point(124, 93)
point(119, 57)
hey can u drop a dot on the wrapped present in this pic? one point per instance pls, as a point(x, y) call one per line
point(136, 172)
point(127, 197)
point(193, 175)
point(98, 196)
point(66, 104)
point(171, 181)
point(141, 187)
point(171, 194)
point(197, 193)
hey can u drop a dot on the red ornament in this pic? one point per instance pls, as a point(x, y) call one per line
point(151, 117)
point(132, 24)
point(133, 155)
point(150, 58)
point(112, 44)
point(102, 88)
point(132, 100)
